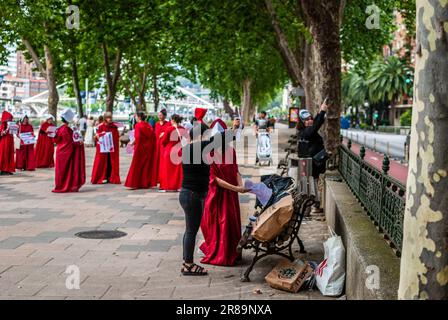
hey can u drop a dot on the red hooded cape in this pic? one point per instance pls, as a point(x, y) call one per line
point(171, 173)
point(159, 128)
point(199, 114)
point(6, 145)
point(44, 148)
point(142, 173)
point(70, 168)
point(221, 221)
point(25, 158)
point(99, 172)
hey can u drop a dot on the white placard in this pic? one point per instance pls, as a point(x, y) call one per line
point(77, 136)
point(27, 138)
point(106, 143)
point(13, 128)
point(51, 131)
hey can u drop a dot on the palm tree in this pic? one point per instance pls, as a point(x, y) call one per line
point(388, 81)
point(354, 91)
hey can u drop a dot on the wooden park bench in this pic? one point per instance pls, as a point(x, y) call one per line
point(282, 245)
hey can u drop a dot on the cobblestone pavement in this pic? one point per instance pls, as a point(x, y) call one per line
point(38, 242)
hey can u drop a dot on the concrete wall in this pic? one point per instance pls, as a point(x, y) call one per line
point(365, 248)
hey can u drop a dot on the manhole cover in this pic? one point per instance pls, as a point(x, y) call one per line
point(101, 234)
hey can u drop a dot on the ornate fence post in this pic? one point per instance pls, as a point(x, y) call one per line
point(341, 155)
point(362, 154)
point(385, 167)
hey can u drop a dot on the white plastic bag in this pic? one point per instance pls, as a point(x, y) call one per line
point(330, 273)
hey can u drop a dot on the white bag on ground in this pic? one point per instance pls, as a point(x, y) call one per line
point(330, 273)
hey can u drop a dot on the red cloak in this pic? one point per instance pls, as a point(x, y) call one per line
point(70, 168)
point(25, 159)
point(142, 173)
point(44, 148)
point(171, 173)
point(6, 145)
point(221, 221)
point(99, 172)
point(199, 114)
point(159, 128)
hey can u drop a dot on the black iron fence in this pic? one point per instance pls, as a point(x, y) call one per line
point(382, 196)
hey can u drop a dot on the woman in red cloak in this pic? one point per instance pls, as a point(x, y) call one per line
point(199, 114)
point(45, 146)
point(70, 168)
point(171, 161)
point(221, 222)
point(106, 167)
point(7, 165)
point(25, 159)
point(159, 129)
point(141, 173)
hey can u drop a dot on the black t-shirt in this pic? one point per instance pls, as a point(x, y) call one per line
point(263, 123)
point(196, 172)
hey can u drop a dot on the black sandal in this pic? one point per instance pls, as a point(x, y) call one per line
point(188, 270)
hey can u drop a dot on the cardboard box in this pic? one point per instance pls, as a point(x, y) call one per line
point(289, 276)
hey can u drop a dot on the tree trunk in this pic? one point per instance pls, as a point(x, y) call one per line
point(111, 79)
point(141, 105)
point(227, 108)
point(53, 96)
point(308, 72)
point(424, 261)
point(289, 59)
point(75, 79)
point(142, 91)
point(247, 103)
point(324, 20)
point(155, 92)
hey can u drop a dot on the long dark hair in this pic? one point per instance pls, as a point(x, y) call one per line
point(176, 118)
point(141, 115)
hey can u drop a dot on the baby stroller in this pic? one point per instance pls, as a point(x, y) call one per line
point(264, 150)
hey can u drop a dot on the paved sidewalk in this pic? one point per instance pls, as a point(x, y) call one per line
point(38, 243)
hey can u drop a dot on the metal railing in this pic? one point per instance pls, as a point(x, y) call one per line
point(382, 196)
point(393, 149)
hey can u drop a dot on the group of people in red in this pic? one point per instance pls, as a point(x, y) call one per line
point(162, 155)
point(151, 162)
point(28, 156)
point(149, 165)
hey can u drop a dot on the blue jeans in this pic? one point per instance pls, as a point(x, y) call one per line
point(192, 203)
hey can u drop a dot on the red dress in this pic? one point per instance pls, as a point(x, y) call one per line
point(6, 146)
point(70, 168)
point(221, 221)
point(25, 158)
point(142, 174)
point(100, 165)
point(158, 129)
point(44, 148)
point(171, 161)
